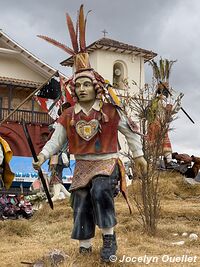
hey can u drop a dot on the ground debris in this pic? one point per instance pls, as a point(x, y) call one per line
point(52, 259)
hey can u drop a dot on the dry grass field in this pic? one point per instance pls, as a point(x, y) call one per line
point(29, 240)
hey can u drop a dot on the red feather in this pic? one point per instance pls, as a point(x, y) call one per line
point(86, 18)
point(82, 30)
point(56, 43)
point(72, 33)
point(77, 19)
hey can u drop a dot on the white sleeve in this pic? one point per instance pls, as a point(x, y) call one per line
point(58, 139)
point(133, 139)
point(1, 155)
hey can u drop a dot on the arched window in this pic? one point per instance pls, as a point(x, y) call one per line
point(119, 75)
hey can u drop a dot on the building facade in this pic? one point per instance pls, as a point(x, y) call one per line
point(21, 73)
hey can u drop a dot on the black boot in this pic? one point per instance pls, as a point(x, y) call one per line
point(109, 247)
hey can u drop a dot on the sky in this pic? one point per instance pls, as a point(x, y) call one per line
point(170, 28)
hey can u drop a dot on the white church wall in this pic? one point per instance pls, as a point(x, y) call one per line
point(103, 61)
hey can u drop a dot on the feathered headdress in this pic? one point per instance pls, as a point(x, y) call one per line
point(161, 72)
point(77, 36)
point(79, 53)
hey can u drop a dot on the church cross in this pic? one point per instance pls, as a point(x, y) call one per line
point(104, 33)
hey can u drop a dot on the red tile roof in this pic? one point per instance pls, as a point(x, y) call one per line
point(116, 46)
point(19, 82)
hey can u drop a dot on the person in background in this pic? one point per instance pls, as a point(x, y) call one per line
point(56, 165)
point(158, 113)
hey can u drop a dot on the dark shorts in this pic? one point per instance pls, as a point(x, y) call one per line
point(94, 205)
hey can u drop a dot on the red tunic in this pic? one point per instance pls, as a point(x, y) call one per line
point(103, 142)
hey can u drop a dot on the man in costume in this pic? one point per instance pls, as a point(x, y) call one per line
point(91, 127)
point(6, 175)
point(160, 111)
point(157, 118)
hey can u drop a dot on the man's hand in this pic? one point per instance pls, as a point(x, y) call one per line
point(41, 160)
point(140, 166)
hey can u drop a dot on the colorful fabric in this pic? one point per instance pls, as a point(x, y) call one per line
point(155, 135)
point(48, 98)
point(85, 170)
point(52, 96)
point(8, 175)
point(66, 95)
point(157, 115)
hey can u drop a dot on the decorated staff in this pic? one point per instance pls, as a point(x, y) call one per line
point(91, 127)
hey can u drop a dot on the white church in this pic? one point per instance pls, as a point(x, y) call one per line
point(117, 61)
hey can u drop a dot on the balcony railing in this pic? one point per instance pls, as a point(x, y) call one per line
point(29, 116)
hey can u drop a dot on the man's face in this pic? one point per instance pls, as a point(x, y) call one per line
point(84, 89)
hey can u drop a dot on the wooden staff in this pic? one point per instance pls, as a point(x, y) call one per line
point(40, 174)
point(32, 94)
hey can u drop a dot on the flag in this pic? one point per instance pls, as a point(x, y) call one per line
point(52, 96)
point(66, 96)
